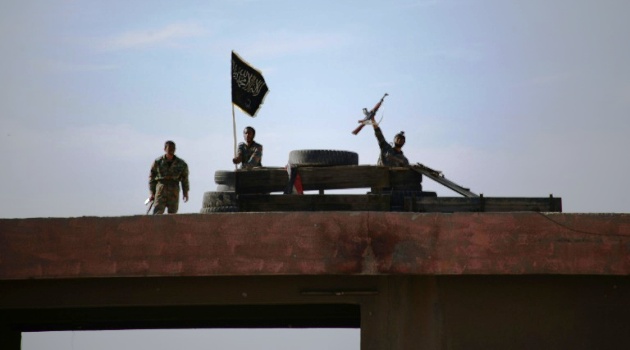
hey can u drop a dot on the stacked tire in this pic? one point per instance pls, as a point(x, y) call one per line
point(224, 199)
point(225, 180)
point(219, 202)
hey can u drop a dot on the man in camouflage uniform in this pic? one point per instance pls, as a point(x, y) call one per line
point(167, 172)
point(249, 153)
point(390, 155)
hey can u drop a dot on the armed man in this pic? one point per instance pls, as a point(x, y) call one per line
point(250, 152)
point(167, 172)
point(390, 155)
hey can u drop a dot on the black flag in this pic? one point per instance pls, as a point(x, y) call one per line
point(248, 86)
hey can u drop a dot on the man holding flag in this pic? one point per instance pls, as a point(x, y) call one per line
point(248, 93)
point(249, 153)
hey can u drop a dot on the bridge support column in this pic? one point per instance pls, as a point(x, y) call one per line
point(10, 339)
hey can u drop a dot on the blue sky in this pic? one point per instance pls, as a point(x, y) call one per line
point(509, 98)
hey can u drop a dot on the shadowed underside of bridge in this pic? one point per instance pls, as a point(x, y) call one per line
point(408, 280)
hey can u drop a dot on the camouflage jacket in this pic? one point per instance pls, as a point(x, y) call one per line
point(174, 171)
point(251, 155)
point(389, 155)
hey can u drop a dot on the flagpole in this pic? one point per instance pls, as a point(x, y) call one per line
point(248, 90)
point(234, 130)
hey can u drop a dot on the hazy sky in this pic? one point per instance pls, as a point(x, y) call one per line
point(508, 98)
point(193, 339)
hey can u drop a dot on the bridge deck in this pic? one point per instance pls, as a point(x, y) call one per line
point(408, 280)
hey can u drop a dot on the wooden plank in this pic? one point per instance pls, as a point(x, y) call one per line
point(375, 202)
point(265, 203)
point(441, 179)
point(268, 180)
point(495, 204)
point(261, 180)
point(343, 177)
point(489, 204)
point(446, 204)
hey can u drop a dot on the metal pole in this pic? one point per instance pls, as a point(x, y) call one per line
point(234, 130)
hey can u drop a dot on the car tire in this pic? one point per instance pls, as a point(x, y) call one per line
point(313, 157)
point(225, 209)
point(223, 199)
point(225, 188)
point(225, 177)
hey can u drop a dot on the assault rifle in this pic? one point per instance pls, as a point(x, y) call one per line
point(369, 116)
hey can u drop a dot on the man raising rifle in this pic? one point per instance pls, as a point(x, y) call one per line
point(391, 156)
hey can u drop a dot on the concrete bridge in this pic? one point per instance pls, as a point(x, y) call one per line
point(407, 280)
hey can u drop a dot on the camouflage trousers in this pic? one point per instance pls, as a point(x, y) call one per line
point(166, 196)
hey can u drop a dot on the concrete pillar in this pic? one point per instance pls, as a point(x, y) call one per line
point(10, 339)
point(405, 315)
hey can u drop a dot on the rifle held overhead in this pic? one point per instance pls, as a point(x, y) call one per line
point(369, 116)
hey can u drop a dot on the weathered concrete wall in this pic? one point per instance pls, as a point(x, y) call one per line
point(409, 280)
point(316, 244)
